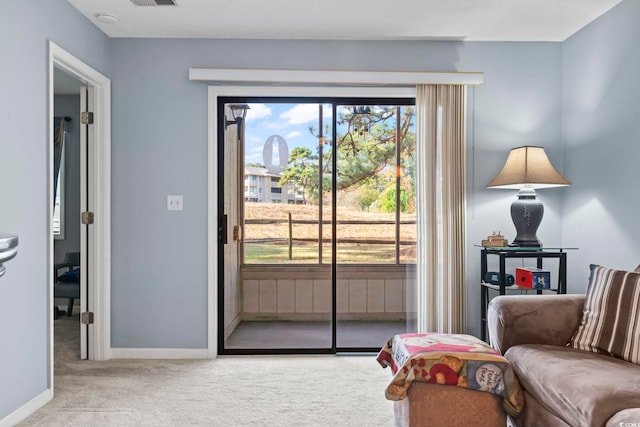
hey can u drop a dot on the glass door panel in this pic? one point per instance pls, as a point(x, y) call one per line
point(375, 222)
point(407, 213)
point(283, 293)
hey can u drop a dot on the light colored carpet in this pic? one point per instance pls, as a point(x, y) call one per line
point(228, 391)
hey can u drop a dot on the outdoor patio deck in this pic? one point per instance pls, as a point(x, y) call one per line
point(312, 335)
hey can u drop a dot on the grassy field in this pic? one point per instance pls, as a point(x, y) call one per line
point(277, 249)
point(256, 253)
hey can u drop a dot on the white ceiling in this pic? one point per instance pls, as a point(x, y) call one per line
point(495, 20)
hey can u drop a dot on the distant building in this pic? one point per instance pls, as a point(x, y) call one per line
point(263, 186)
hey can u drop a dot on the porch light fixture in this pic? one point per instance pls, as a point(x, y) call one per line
point(526, 169)
point(238, 112)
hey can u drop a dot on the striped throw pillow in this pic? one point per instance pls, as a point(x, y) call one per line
point(611, 317)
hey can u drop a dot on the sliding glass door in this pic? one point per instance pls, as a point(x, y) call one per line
point(374, 219)
point(316, 223)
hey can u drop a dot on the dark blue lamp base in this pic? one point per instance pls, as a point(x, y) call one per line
point(526, 213)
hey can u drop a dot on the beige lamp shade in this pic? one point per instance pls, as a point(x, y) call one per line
point(528, 167)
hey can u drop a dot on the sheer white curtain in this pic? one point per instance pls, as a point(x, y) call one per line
point(441, 264)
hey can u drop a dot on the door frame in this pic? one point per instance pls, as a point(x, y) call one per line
point(99, 258)
point(212, 180)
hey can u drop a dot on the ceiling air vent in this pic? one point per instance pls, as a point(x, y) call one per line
point(154, 2)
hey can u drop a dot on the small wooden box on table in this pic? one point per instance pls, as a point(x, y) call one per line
point(503, 253)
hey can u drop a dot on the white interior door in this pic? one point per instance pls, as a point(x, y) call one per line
point(86, 230)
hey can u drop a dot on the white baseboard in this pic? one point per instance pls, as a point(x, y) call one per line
point(27, 409)
point(159, 353)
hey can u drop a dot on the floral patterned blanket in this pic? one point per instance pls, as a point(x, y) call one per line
point(449, 359)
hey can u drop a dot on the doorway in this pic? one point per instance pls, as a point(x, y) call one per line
point(316, 223)
point(67, 249)
point(94, 178)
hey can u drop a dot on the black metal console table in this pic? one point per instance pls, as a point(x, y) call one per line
point(517, 252)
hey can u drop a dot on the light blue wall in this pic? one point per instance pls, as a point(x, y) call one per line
point(518, 104)
point(159, 147)
point(601, 142)
point(25, 28)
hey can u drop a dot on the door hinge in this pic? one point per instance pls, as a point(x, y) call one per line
point(86, 318)
point(86, 118)
point(87, 218)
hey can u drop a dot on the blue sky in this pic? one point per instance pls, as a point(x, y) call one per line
point(289, 121)
point(276, 121)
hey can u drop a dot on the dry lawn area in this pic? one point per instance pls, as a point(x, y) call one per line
point(369, 241)
point(368, 230)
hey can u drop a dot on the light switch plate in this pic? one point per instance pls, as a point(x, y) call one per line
point(174, 202)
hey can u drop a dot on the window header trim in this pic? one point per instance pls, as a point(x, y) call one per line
point(337, 77)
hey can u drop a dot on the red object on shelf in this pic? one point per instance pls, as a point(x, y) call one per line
point(533, 278)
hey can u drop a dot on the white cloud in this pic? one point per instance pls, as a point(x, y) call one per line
point(277, 125)
point(301, 113)
point(293, 134)
point(258, 111)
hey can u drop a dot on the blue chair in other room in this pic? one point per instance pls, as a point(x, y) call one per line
point(67, 279)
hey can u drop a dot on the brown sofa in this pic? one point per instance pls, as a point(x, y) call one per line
point(562, 386)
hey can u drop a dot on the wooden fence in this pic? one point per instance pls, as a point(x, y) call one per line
point(290, 239)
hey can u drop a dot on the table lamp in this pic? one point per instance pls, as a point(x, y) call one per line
point(526, 169)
